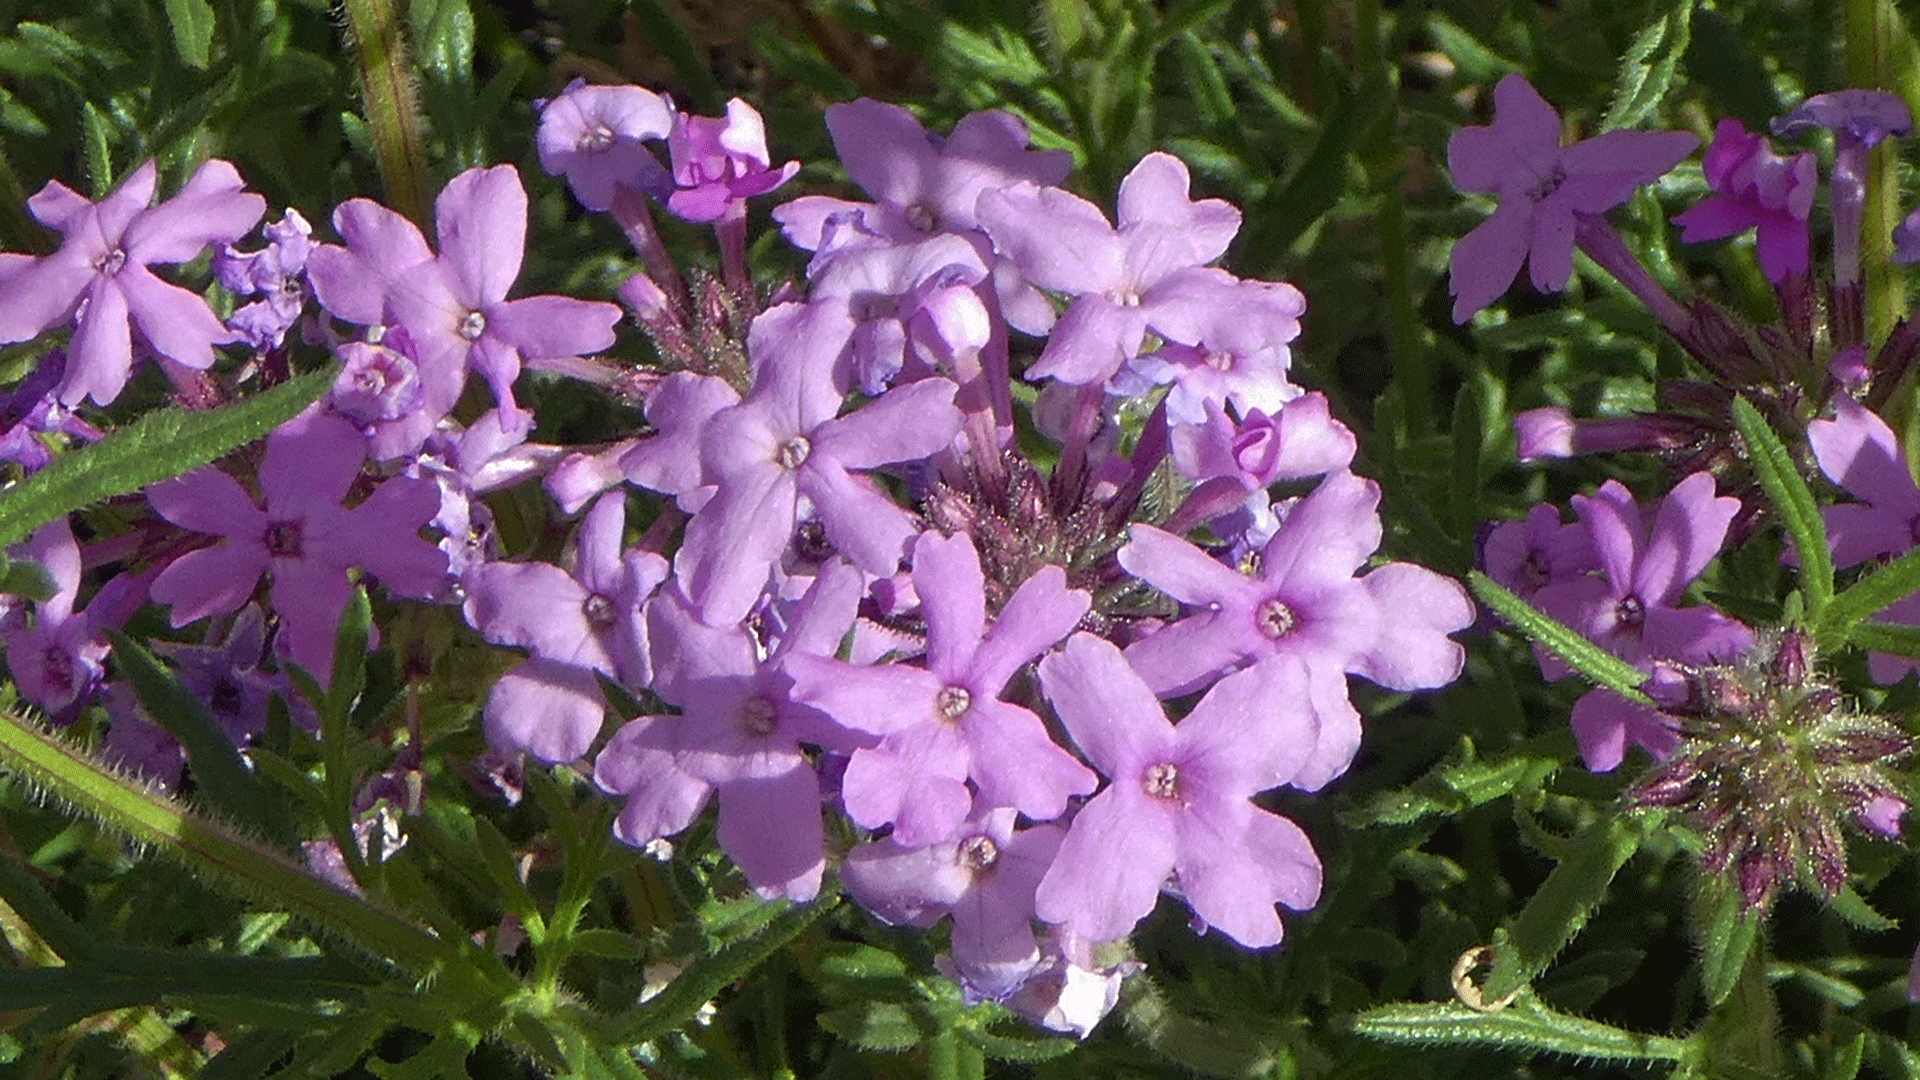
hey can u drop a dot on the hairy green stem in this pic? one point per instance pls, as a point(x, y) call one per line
point(1868, 24)
point(151, 819)
point(392, 105)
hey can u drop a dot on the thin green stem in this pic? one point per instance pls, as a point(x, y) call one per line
point(1868, 24)
point(392, 104)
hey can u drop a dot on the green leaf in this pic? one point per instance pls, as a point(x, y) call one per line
point(665, 33)
point(1792, 500)
point(708, 975)
point(1890, 638)
point(611, 944)
point(157, 447)
point(1023, 1049)
point(1583, 656)
point(1198, 1046)
point(27, 579)
point(1316, 186)
point(878, 1025)
point(1562, 906)
point(1647, 71)
point(1726, 932)
point(1527, 1025)
point(192, 22)
point(222, 776)
point(1895, 581)
point(96, 143)
point(1853, 907)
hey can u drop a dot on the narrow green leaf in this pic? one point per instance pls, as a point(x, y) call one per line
point(1845, 1062)
point(1186, 17)
point(192, 23)
point(1525, 1026)
point(96, 145)
point(1316, 186)
point(1726, 932)
point(1792, 500)
point(1890, 638)
point(1019, 1049)
point(1561, 906)
point(887, 1026)
point(250, 1055)
point(222, 776)
point(1647, 71)
point(1583, 656)
point(1853, 907)
point(1895, 581)
point(1196, 1045)
point(27, 579)
point(20, 891)
point(157, 447)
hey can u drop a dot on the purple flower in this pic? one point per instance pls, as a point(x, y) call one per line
point(739, 736)
point(1301, 601)
point(718, 164)
point(58, 661)
point(1859, 452)
point(1299, 439)
point(1527, 556)
point(597, 136)
point(279, 271)
point(1629, 609)
point(921, 183)
point(1755, 188)
point(1240, 359)
point(302, 537)
point(590, 620)
point(32, 409)
point(785, 443)
point(946, 724)
point(101, 271)
point(1544, 188)
point(1148, 274)
point(983, 874)
point(1178, 801)
point(1860, 120)
point(456, 307)
point(884, 288)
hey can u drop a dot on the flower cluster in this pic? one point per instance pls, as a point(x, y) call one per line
point(1037, 697)
point(1752, 742)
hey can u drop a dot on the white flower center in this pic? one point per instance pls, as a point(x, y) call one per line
point(952, 702)
point(793, 453)
point(473, 325)
point(1162, 781)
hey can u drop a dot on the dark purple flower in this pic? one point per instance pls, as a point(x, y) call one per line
point(1755, 188)
point(302, 536)
point(1544, 188)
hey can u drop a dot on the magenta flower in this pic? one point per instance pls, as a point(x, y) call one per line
point(1755, 188)
point(103, 262)
point(1178, 801)
point(1629, 609)
point(597, 136)
point(718, 164)
point(1150, 273)
point(303, 538)
point(1544, 189)
point(1303, 602)
point(1860, 120)
point(1527, 556)
point(946, 724)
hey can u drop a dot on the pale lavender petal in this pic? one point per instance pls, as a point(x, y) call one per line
point(1182, 571)
point(481, 219)
point(1413, 651)
point(1016, 763)
point(1485, 261)
point(771, 828)
point(100, 356)
point(1255, 728)
point(545, 327)
point(1108, 710)
point(1108, 871)
point(1039, 613)
point(946, 575)
point(1329, 535)
point(547, 709)
point(885, 150)
point(1688, 531)
point(1059, 240)
point(208, 501)
point(175, 323)
point(1216, 876)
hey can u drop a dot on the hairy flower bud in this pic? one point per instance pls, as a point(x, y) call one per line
point(1773, 762)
